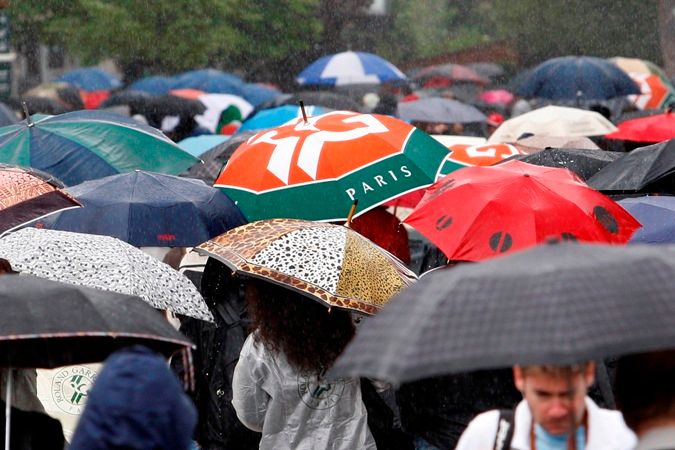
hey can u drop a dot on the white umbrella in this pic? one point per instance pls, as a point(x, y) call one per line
point(105, 263)
point(553, 121)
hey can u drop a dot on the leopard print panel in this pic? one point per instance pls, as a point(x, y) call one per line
point(239, 247)
point(370, 273)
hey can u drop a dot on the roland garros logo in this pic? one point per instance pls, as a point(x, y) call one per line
point(70, 386)
point(310, 150)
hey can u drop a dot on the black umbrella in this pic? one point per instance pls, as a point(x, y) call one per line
point(126, 97)
point(649, 169)
point(214, 159)
point(554, 304)
point(582, 161)
point(50, 324)
point(328, 99)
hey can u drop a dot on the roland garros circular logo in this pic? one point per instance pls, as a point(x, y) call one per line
point(319, 394)
point(70, 386)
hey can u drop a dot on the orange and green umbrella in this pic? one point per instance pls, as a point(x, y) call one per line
point(657, 92)
point(316, 169)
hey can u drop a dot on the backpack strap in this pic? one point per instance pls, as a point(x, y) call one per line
point(505, 427)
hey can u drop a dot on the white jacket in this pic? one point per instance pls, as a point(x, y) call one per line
point(296, 411)
point(606, 430)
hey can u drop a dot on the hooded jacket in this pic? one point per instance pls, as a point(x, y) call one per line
point(295, 410)
point(136, 403)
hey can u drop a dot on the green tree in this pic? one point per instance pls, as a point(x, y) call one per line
point(157, 36)
point(604, 28)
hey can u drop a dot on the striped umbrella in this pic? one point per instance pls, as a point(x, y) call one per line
point(349, 68)
point(85, 145)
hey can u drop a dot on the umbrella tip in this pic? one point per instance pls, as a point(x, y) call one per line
point(302, 108)
point(24, 106)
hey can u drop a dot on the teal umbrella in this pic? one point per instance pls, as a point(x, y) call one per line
point(85, 145)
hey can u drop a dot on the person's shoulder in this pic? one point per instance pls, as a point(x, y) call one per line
point(481, 431)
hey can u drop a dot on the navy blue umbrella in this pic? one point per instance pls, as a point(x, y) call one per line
point(576, 78)
point(656, 213)
point(148, 209)
point(91, 79)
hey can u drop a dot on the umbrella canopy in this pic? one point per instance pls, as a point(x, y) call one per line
point(27, 195)
point(257, 94)
point(577, 78)
point(583, 162)
point(125, 97)
point(497, 96)
point(85, 145)
point(657, 216)
point(528, 308)
point(651, 129)
point(91, 79)
point(49, 324)
point(209, 80)
point(645, 169)
point(102, 262)
point(149, 209)
point(327, 99)
point(212, 161)
point(328, 263)
point(480, 155)
point(274, 117)
point(480, 212)
point(437, 109)
point(553, 121)
point(537, 143)
point(156, 85)
point(445, 75)
point(65, 95)
point(197, 145)
point(656, 90)
point(290, 171)
point(223, 110)
point(349, 68)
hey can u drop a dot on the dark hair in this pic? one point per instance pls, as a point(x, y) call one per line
point(6, 267)
point(310, 335)
point(644, 387)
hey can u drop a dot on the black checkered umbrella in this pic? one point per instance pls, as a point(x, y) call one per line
point(554, 304)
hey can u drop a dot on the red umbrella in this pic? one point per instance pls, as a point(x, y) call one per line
point(479, 212)
point(656, 128)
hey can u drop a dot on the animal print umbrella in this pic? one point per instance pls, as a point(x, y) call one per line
point(102, 262)
point(330, 263)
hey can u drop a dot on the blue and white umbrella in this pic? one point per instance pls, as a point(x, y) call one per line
point(349, 68)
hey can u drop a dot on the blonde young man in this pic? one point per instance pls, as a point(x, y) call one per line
point(555, 414)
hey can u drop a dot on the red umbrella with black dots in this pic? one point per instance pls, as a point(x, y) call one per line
point(477, 213)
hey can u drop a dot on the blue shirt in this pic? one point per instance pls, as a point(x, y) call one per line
point(547, 441)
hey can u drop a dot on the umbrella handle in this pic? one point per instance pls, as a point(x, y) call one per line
point(352, 210)
point(8, 407)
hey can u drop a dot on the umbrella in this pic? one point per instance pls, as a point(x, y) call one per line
point(440, 110)
point(656, 90)
point(155, 109)
point(576, 78)
point(657, 216)
point(445, 75)
point(349, 68)
point(487, 69)
point(209, 80)
point(537, 143)
point(257, 94)
point(342, 157)
point(651, 129)
point(49, 324)
point(480, 155)
point(197, 145)
point(27, 195)
point(223, 110)
point(156, 85)
point(327, 99)
point(645, 169)
point(149, 209)
point(477, 213)
point(64, 94)
point(212, 161)
point(126, 97)
point(91, 79)
point(102, 262)
point(328, 263)
point(85, 145)
point(583, 162)
point(497, 96)
point(554, 304)
point(553, 121)
point(274, 117)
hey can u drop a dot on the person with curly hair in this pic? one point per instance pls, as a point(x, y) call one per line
point(279, 387)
